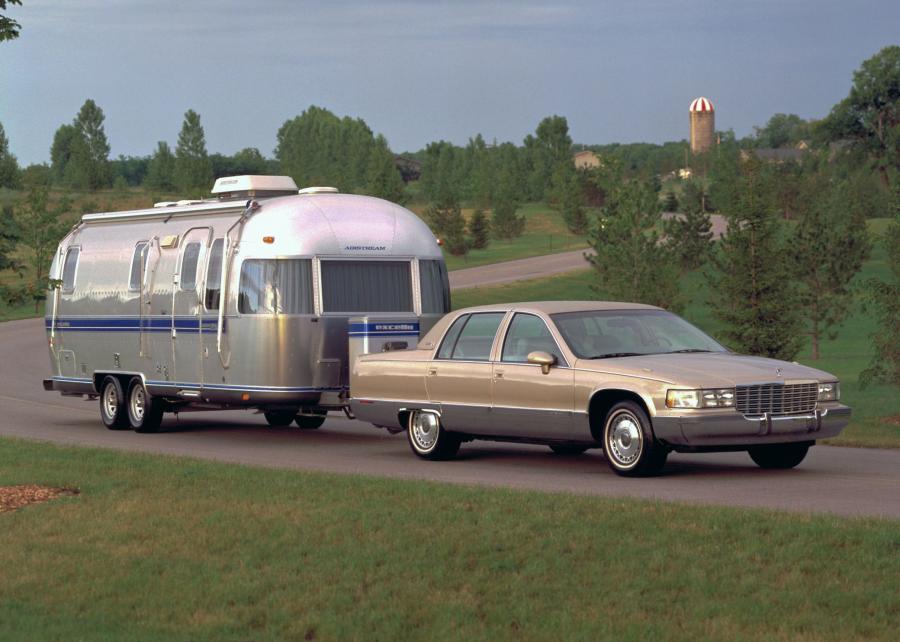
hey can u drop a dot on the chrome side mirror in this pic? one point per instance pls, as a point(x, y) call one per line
point(543, 359)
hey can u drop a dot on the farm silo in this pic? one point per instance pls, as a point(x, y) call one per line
point(703, 125)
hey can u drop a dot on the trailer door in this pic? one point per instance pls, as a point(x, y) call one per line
point(188, 324)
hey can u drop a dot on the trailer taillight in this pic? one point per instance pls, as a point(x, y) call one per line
point(268, 239)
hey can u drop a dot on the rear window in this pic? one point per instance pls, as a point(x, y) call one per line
point(366, 286)
point(475, 340)
point(435, 287)
point(276, 286)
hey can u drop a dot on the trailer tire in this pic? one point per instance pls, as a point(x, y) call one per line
point(309, 422)
point(144, 412)
point(113, 411)
point(279, 418)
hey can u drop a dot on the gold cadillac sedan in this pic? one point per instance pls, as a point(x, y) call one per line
point(634, 380)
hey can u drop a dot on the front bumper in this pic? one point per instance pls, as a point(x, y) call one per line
point(734, 430)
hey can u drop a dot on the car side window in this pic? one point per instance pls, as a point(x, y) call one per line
point(528, 333)
point(477, 337)
point(450, 338)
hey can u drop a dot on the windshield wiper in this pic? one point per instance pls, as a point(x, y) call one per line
point(610, 355)
point(688, 350)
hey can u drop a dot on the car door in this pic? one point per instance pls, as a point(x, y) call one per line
point(459, 377)
point(527, 402)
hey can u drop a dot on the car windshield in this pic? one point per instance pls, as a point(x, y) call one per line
point(600, 334)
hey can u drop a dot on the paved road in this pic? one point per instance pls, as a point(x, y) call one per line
point(845, 481)
point(531, 268)
point(538, 266)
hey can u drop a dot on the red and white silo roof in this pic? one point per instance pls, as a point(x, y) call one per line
point(701, 104)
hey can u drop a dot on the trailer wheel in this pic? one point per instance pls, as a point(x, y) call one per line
point(144, 412)
point(113, 412)
point(309, 422)
point(279, 418)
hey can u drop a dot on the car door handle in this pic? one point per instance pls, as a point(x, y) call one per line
point(432, 372)
point(498, 374)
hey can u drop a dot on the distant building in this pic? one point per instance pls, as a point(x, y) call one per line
point(586, 160)
point(703, 125)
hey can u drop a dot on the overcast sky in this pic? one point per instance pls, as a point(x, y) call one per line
point(620, 71)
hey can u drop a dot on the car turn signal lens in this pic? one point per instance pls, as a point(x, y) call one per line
point(829, 391)
point(707, 398)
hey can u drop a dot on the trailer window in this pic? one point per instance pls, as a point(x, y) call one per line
point(366, 286)
point(189, 266)
point(276, 286)
point(435, 287)
point(138, 265)
point(213, 275)
point(69, 267)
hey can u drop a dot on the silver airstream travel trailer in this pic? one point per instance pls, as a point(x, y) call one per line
point(243, 300)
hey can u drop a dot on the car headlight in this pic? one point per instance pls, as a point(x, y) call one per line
point(704, 398)
point(829, 391)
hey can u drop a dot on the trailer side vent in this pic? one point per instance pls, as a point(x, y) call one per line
point(319, 190)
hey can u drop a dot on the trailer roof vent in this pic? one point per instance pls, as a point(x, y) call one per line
point(319, 190)
point(234, 187)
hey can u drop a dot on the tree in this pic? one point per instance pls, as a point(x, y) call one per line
point(782, 130)
point(629, 261)
point(828, 247)
point(89, 124)
point(9, 238)
point(870, 115)
point(690, 233)
point(447, 222)
point(504, 221)
point(883, 299)
point(382, 178)
point(41, 226)
point(193, 169)
point(61, 151)
point(480, 229)
point(318, 148)
point(161, 170)
point(9, 166)
point(9, 28)
point(549, 148)
point(752, 282)
point(568, 197)
point(671, 202)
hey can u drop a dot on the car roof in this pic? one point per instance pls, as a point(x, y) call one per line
point(554, 307)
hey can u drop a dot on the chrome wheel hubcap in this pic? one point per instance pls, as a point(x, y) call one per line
point(425, 430)
point(625, 440)
point(137, 403)
point(110, 401)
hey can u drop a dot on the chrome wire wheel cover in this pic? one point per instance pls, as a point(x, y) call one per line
point(424, 430)
point(110, 400)
point(624, 439)
point(137, 402)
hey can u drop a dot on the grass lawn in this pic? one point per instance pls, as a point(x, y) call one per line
point(845, 356)
point(159, 548)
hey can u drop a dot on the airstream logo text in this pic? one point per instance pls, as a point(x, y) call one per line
point(364, 248)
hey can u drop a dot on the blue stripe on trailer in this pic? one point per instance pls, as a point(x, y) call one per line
point(131, 324)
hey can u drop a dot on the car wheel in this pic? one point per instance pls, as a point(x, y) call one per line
point(113, 412)
point(309, 422)
point(280, 418)
point(628, 442)
point(144, 412)
point(428, 439)
point(782, 456)
point(567, 449)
